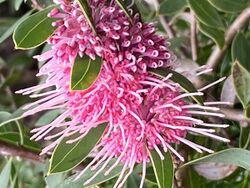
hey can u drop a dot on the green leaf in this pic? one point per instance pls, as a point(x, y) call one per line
point(247, 112)
point(240, 50)
point(163, 169)
point(170, 7)
point(233, 156)
point(48, 117)
point(100, 178)
point(216, 35)
point(185, 84)
point(84, 72)
point(14, 138)
point(34, 30)
point(241, 80)
point(133, 181)
point(5, 174)
point(206, 13)
point(123, 6)
point(66, 156)
point(86, 12)
point(13, 117)
point(10, 30)
point(1, 1)
point(230, 6)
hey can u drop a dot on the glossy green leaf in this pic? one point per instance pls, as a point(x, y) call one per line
point(170, 7)
point(123, 6)
point(1, 1)
point(163, 169)
point(233, 156)
point(5, 175)
point(230, 6)
point(84, 72)
point(86, 12)
point(100, 178)
point(34, 30)
point(10, 30)
point(240, 50)
point(206, 13)
point(216, 35)
point(185, 84)
point(14, 138)
point(241, 80)
point(66, 156)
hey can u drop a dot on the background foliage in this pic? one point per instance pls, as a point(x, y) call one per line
point(211, 32)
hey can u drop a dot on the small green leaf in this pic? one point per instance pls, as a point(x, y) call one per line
point(216, 35)
point(48, 117)
point(240, 50)
point(34, 30)
point(100, 178)
point(66, 156)
point(84, 72)
point(233, 156)
point(206, 13)
point(5, 175)
point(10, 30)
point(163, 169)
point(170, 7)
point(86, 12)
point(230, 6)
point(241, 80)
point(14, 138)
point(185, 84)
point(123, 6)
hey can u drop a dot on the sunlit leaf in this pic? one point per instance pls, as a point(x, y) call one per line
point(34, 30)
point(5, 175)
point(84, 72)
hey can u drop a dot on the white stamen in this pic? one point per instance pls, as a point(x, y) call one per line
point(206, 113)
point(187, 95)
point(212, 84)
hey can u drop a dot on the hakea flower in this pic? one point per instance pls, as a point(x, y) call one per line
point(143, 110)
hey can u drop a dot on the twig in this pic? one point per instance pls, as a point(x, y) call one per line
point(18, 151)
point(166, 27)
point(235, 115)
point(193, 38)
point(238, 23)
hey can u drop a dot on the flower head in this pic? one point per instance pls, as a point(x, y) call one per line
point(143, 111)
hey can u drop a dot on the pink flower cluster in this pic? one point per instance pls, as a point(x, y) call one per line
point(144, 111)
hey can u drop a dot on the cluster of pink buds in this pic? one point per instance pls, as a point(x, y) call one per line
point(143, 110)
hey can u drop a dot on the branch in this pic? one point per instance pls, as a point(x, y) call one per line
point(235, 115)
point(18, 151)
point(238, 23)
point(193, 38)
